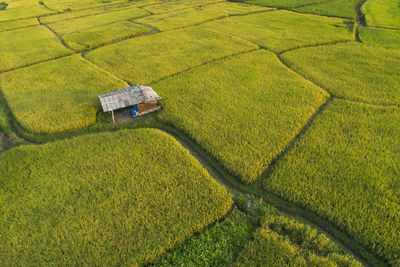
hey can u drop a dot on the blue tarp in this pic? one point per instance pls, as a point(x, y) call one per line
point(134, 112)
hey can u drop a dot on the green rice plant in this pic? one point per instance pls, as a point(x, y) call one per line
point(84, 13)
point(58, 95)
point(103, 200)
point(23, 9)
point(149, 58)
point(337, 8)
point(282, 241)
point(383, 13)
point(284, 3)
point(28, 46)
point(345, 168)
point(95, 37)
point(198, 15)
point(351, 71)
point(244, 110)
point(9, 136)
point(380, 37)
point(176, 5)
point(282, 30)
point(216, 246)
point(79, 24)
point(3, 6)
point(69, 5)
point(10, 25)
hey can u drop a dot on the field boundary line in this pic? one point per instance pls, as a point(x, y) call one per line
point(301, 75)
point(41, 3)
point(297, 137)
point(290, 9)
point(382, 27)
point(37, 63)
point(327, 90)
point(56, 34)
point(104, 70)
point(204, 63)
point(292, 209)
point(128, 6)
point(316, 45)
point(153, 30)
point(19, 28)
point(63, 12)
point(93, 27)
point(89, 15)
point(106, 44)
point(383, 105)
point(179, 9)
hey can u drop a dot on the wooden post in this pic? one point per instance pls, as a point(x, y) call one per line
point(112, 114)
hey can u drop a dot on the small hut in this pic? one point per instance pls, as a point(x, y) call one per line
point(144, 98)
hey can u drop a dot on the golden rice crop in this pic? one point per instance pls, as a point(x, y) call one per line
point(57, 96)
point(104, 199)
point(27, 46)
point(282, 241)
point(244, 110)
point(88, 22)
point(149, 58)
point(346, 169)
point(352, 71)
point(103, 34)
point(281, 30)
point(193, 16)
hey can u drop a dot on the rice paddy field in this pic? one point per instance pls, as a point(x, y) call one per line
point(277, 142)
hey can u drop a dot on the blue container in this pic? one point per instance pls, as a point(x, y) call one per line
point(134, 112)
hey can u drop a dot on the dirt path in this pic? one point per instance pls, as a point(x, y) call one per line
point(285, 207)
point(4, 142)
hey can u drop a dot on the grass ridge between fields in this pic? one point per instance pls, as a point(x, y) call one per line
point(233, 183)
point(135, 36)
point(56, 35)
point(319, 86)
point(214, 167)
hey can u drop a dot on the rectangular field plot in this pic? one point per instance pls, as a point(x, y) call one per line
point(338, 8)
point(283, 3)
point(27, 46)
point(346, 168)
point(10, 25)
point(104, 34)
point(57, 96)
point(84, 12)
point(68, 5)
point(283, 241)
point(244, 110)
point(79, 24)
point(351, 71)
point(198, 15)
point(282, 30)
point(383, 13)
point(380, 37)
point(149, 58)
point(110, 199)
point(23, 9)
point(176, 5)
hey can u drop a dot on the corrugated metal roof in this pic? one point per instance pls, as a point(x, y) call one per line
point(127, 97)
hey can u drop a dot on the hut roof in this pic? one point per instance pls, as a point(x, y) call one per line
point(127, 97)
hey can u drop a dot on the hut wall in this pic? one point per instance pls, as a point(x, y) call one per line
point(147, 106)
